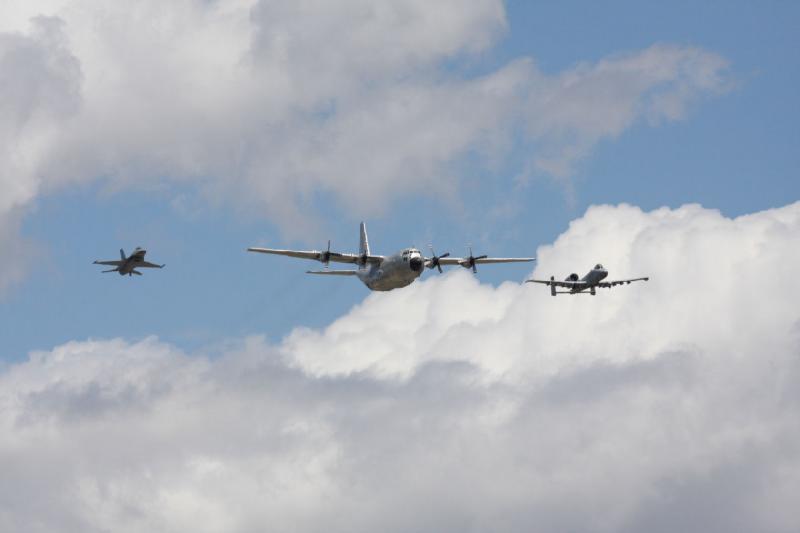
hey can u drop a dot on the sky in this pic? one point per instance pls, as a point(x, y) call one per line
point(232, 392)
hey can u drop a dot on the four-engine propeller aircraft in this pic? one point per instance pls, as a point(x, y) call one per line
point(127, 265)
point(590, 281)
point(382, 273)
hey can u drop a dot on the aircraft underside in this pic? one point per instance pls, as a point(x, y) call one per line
point(381, 280)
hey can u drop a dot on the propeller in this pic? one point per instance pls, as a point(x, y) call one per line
point(469, 262)
point(325, 257)
point(434, 261)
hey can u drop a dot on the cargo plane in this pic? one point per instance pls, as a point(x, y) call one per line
point(384, 273)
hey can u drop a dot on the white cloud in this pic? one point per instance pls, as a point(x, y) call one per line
point(271, 104)
point(575, 109)
point(20, 252)
point(39, 90)
point(449, 405)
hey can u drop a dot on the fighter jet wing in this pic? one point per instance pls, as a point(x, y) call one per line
point(146, 264)
point(316, 255)
point(609, 284)
point(109, 263)
point(555, 283)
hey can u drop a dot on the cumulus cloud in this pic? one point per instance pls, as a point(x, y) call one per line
point(39, 91)
point(449, 405)
point(271, 104)
point(20, 251)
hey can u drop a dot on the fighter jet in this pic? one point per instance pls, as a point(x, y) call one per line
point(128, 265)
point(590, 281)
point(382, 273)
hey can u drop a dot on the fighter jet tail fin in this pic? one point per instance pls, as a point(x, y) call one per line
point(122, 254)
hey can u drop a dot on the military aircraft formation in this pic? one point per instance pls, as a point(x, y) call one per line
point(385, 273)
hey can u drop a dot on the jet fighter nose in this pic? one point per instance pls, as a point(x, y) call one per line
point(416, 264)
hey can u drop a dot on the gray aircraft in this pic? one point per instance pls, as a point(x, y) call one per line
point(382, 273)
point(590, 281)
point(128, 265)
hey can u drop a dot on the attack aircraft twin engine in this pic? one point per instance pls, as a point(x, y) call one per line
point(572, 277)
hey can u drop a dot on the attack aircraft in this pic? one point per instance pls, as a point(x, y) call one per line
point(384, 273)
point(128, 265)
point(589, 282)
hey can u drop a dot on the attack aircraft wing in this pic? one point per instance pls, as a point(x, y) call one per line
point(609, 284)
point(555, 283)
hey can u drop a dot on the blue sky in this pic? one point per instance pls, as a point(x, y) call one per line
point(736, 152)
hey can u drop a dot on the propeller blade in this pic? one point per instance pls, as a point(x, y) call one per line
point(435, 259)
point(326, 255)
point(470, 262)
